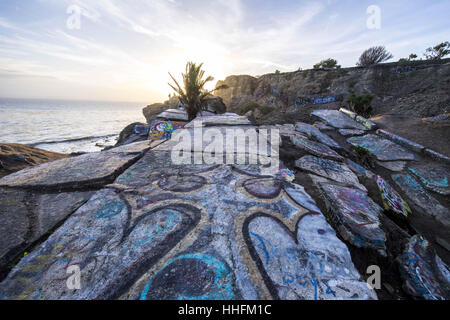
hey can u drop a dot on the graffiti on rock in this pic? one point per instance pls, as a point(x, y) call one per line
point(338, 119)
point(424, 273)
point(433, 178)
point(307, 265)
point(330, 169)
point(191, 277)
point(391, 199)
point(382, 149)
point(355, 215)
point(315, 133)
point(422, 198)
point(164, 231)
point(315, 148)
point(162, 130)
point(299, 101)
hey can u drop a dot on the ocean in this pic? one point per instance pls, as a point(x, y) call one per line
point(66, 126)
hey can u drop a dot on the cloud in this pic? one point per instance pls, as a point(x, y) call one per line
point(130, 46)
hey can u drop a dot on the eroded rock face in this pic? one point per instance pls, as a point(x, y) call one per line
point(301, 89)
point(355, 215)
point(425, 275)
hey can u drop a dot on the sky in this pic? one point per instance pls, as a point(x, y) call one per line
point(122, 50)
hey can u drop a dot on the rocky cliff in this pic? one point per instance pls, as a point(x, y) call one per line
point(417, 88)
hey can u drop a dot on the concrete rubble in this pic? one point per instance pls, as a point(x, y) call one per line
point(140, 226)
point(187, 231)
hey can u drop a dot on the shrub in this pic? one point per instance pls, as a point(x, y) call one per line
point(373, 56)
point(265, 109)
point(438, 52)
point(249, 106)
point(327, 64)
point(361, 104)
point(411, 57)
point(193, 92)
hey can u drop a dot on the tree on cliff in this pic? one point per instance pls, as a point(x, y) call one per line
point(327, 64)
point(373, 56)
point(194, 94)
point(438, 52)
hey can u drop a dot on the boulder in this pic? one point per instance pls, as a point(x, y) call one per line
point(338, 119)
point(425, 275)
point(214, 104)
point(336, 171)
point(129, 135)
point(355, 216)
point(89, 170)
point(152, 111)
point(315, 148)
point(422, 198)
point(316, 134)
point(382, 149)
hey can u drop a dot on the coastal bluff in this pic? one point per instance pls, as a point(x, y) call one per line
point(346, 196)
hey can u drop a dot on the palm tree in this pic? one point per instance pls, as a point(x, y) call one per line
point(193, 95)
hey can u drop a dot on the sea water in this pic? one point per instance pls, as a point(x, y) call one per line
point(66, 126)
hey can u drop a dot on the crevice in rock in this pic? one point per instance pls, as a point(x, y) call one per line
point(16, 254)
point(362, 258)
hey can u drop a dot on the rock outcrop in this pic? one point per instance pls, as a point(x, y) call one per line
point(15, 157)
point(152, 111)
point(132, 133)
point(34, 200)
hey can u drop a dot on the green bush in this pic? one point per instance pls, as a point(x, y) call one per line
point(361, 104)
point(251, 105)
point(265, 109)
point(327, 64)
